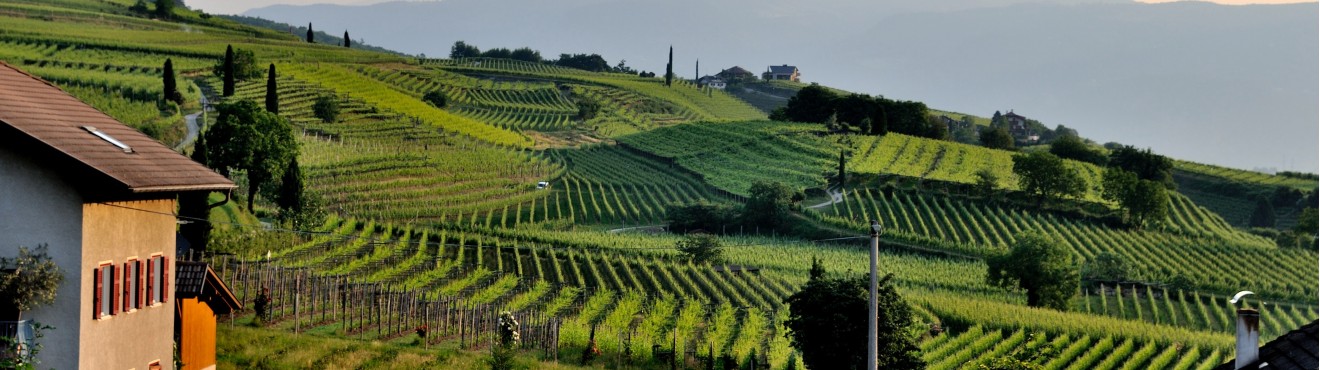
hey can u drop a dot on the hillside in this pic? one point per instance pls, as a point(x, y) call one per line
point(433, 217)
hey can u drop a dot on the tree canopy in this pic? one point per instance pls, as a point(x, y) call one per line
point(828, 321)
point(996, 138)
point(700, 248)
point(1047, 176)
point(28, 280)
point(248, 138)
point(769, 205)
point(1073, 147)
point(1143, 201)
point(1040, 266)
point(1145, 163)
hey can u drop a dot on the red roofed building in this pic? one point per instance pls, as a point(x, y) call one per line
point(102, 197)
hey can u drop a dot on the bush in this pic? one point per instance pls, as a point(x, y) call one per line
point(700, 248)
point(326, 108)
point(436, 98)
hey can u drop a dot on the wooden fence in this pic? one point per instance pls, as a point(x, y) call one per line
point(302, 300)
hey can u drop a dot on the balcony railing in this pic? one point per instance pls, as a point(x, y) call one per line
point(17, 335)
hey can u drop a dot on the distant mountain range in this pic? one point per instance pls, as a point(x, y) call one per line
point(1229, 85)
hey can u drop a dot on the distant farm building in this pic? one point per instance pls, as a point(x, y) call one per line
point(712, 82)
point(736, 74)
point(1018, 127)
point(782, 72)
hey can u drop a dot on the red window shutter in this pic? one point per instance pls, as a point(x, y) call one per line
point(138, 277)
point(96, 294)
point(125, 299)
point(164, 279)
point(151, 283)
point(114, 276)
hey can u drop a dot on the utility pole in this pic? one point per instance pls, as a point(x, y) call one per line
point(873, 331)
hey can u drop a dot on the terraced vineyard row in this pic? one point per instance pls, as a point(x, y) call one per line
point(703, 104)
point(1162, 306)
point(347, 81)
point(386, 166)
point(631, 301)
point(976, 346)
point(607, 184)
point(1250, 177)
point(947, 161)
point(733, 156)
point(1213, 264)
point(521, 105)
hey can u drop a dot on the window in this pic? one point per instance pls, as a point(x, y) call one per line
point(132, 285)
point(158, 277)
point(103, 299)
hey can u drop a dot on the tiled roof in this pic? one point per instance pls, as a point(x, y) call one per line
point(784, 69)
point(735, 71)
point(58, 121)
point(1293, 351)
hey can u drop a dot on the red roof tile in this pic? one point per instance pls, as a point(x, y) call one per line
point(56, 119)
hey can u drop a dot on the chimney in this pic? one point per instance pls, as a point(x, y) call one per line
point(1248, 337)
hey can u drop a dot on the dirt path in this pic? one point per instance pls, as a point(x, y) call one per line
point(836, 196)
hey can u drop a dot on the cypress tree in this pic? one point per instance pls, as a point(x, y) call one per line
point(199, 153)
point(697, 76)
point(171, 87)
point(272, 94)
point(348, 43)
point(843, 173)
point(291, 190)
point(668, 69)
point(310, 38)
point(228, 71)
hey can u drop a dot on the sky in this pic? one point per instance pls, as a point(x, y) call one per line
point(1226, 85)
point(239, 6)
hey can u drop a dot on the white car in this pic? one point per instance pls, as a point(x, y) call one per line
point(542, 185)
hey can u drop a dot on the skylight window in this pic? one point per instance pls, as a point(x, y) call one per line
point(108, 139)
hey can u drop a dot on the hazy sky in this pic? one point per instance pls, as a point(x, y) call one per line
point(239, 6)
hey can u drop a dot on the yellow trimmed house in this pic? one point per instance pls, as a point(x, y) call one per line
point(102, 197)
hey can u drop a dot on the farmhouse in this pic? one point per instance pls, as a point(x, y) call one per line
point(1017, 125)
point(101, 196)
point(712, 82)
point(736, 74)
point(782, 72)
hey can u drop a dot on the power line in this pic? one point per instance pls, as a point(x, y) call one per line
point(377, 241)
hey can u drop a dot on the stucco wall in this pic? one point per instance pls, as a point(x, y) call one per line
point(37, 207)
point(116, 232)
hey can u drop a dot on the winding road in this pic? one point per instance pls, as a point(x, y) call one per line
point(193, 127)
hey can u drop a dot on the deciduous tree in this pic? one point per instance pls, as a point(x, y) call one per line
point(1040, 266)
point(1263, 215)
point(326, 108)
point(769, 204)
point(828, 323)
point(700, 248)
point(996, 138)
point(1046, 176)
point(247, 138)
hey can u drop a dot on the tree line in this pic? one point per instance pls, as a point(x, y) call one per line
point(587, 62)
